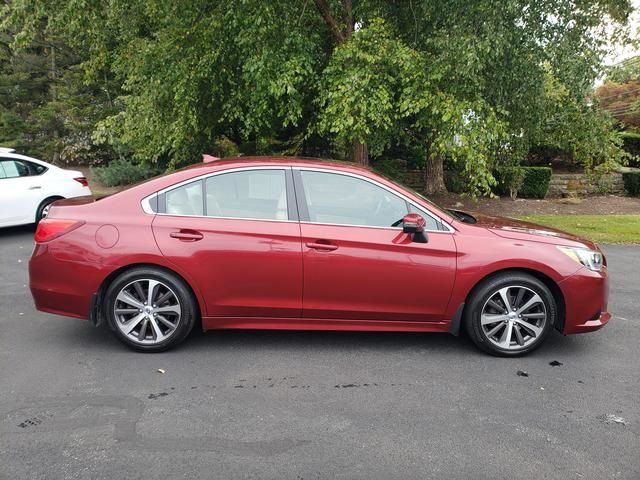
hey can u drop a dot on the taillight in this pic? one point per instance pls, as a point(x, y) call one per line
point(82, 180)
point(50, 228)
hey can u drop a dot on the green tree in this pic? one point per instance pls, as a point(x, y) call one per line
point(461, 81)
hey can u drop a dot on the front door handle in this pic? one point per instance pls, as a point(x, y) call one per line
point(187, 235)
point(35, 187)
point(328, 247)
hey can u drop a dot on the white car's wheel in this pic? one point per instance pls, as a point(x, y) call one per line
point(43, 208)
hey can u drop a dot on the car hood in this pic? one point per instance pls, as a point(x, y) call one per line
point(521, 230)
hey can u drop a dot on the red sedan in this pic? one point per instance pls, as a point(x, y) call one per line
point(282, 243)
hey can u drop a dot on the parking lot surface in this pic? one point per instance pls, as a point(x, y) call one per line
point(75, 403)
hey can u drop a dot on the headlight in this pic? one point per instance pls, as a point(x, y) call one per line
point(589, 258)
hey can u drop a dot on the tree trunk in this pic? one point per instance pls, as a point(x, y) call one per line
point(341, 29)
point(360, 152)
point(434, 176)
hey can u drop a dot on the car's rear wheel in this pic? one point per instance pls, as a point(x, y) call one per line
point(510, 314)
point(150, 309)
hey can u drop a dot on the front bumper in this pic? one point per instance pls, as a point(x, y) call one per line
point(586, 295)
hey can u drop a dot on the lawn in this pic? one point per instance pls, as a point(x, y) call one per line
point(598, 228)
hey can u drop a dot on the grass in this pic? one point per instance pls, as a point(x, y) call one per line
point(597, 228)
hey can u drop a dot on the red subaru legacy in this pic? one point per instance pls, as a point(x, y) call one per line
point(282, 243)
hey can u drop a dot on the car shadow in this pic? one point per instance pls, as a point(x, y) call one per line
point(19, 231)
point(70, 334)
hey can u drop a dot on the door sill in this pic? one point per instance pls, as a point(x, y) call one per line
point(263, 323)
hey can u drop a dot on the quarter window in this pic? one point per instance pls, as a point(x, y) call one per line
point(185, 200)
point(341, 199)
point(256, 194)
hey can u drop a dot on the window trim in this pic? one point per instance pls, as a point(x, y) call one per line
point(296, 203)
point(304, 210)
point(160, 199)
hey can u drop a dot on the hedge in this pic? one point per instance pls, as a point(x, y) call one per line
point(632, 183)
point(536, 182)
point(123, 172)
point(530, 182)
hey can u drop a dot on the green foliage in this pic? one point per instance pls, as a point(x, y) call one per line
point(510, 180)
point(124, 172)
point(394, 169)
point(472, 82)
point(454, 177)
point(569, 124)
point(536, 182)
point(624, 71)
point(46, 109)
point(632, 183)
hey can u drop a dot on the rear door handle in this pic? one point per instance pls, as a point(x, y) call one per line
point(187, 235)
point(35, 187)
point(322, 246)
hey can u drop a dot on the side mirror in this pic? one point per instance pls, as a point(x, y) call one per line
point(414, 224)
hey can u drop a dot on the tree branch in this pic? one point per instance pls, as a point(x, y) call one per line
point(325, 11)
point(347, 9)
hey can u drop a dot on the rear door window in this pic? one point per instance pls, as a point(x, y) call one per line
point(250, 194)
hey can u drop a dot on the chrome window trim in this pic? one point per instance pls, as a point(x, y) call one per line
point(434, 217)
point(146, 207)
point(146, 204)
point(227, 218)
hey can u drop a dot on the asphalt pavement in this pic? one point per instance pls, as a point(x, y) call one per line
point(75, 403)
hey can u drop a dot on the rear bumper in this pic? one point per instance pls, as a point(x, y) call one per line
point(586, 296)
point(62, 287)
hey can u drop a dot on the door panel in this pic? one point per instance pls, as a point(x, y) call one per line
point(356, 265)
point(376, 274)
point(242, 267)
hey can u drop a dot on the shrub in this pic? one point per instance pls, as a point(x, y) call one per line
point(509, 181)
point(632, 183)
point(124, 172)
point(536, 182)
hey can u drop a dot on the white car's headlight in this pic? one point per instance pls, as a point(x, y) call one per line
point(589, 258)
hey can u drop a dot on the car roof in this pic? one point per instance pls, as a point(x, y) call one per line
point(231, 162)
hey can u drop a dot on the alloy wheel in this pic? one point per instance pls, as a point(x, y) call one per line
point(513, 317)
point(147, 311)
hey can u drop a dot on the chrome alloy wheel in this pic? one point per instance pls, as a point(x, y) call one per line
point(147, 311)
point(45, 211)
point(513, 317)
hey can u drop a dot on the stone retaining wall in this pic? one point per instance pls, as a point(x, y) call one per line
point(577, 184)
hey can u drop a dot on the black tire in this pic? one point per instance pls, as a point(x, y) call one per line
point(187, 303)
point(486, 290)
point(45, 203)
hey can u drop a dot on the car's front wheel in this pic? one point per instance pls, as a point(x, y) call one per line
point(149, 309)
point(510, 314)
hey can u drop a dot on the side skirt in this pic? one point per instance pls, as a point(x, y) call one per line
point(260, 323)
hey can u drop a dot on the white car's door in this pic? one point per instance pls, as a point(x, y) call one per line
point(20, 192)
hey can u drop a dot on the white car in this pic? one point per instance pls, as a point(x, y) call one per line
point(28, 186)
